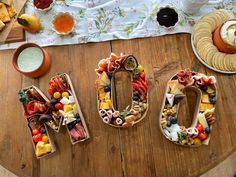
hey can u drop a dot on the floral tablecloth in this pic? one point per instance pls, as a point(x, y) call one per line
point(103, 20)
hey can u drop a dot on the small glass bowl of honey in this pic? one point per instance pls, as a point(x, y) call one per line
point(63, 23)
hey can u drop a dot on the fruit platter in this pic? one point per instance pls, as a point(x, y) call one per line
point(38, 113)
point(105, 71)
point(66, 105)
point(200, 130)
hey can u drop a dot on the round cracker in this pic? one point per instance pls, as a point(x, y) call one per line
point(232, 58)
point(204, 49)
point(226, 64)
point(201, 25)
point(210, 54)
point(204, 41)
point(200, 35)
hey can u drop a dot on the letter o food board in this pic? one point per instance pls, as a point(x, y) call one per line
point(200, 130)
point(106, 70)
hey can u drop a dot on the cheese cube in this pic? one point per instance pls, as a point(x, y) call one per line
point(68, 108)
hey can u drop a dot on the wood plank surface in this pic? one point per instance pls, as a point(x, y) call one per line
point(141, 151)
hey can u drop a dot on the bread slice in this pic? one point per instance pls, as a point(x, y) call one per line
point(2, 25)
point(4, 16)
point(7, 2)
point(11, 11)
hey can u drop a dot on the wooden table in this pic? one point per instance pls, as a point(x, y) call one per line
point(141, 151)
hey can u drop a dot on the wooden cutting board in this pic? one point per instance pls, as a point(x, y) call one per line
point(17, 34)
point(19, 4)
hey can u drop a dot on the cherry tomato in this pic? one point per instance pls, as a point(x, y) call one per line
point(142, 75)
point(37, 137)
point(202, 136)
point(200, 128)
point(59, 106)
point(50, 91)
point(45, 138)
point(35, 131)
point(140, 68)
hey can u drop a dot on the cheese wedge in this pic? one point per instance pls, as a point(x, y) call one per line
point(2, 25)
point(11, 11)
point(7, 2)
point(4, 16)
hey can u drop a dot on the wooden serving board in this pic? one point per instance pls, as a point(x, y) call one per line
point(12, 32)
point(17, 34)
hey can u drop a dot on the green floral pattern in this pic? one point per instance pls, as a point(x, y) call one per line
point(103, 20)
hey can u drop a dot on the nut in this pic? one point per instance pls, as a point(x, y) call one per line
point(183, 142)
point(144, 106)
point(132, 111)
point(130, 118)
point(139, 116)
point(210, 118)
point(163, 123)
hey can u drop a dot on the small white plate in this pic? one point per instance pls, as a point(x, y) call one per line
point(204, 63)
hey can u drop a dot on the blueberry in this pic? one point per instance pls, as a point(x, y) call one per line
point(42, 130)
point(109, 74)
point(213, 100)
point(135, 98)
point(78, 120)
point(173, 120)
point(74, 123)
point(212, 95)
point(208, 130)
point(53, 101)
point(168, 123)
point(70, 126)
point(107, 88)
point(204, 88)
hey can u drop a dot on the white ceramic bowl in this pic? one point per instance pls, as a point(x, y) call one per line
point(59, 14)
